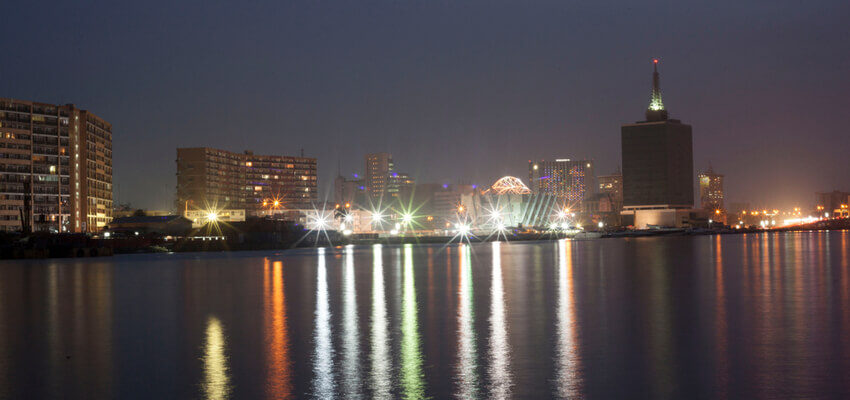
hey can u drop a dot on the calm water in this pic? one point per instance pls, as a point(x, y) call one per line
point(736, 316)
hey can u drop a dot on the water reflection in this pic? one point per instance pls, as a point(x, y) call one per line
point(764, 316)
point(568, 373)
point(500, 376)
point(216, 380)
point(412, 382)
point(350, 331)
point(381, 364)
point(323, 379)
point(467, 365)
point(720, 324)
point(278, 384)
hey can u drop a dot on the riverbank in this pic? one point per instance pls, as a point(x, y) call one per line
point(80, 246)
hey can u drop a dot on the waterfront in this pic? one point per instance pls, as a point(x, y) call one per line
point(732, 316)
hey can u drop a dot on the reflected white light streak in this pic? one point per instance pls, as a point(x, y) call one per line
point(216, 381)
point(323, 379)
point(567, 364)
point(412, 381)
point(467, 367)
point(500, 376)
point(350, 331)
point(381, 374)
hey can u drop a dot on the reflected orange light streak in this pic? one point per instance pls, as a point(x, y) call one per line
point(278, 381)
point(720, 323)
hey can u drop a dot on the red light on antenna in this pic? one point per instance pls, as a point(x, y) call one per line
point(655, 61)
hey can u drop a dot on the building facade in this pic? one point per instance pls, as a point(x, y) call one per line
point(569, 181)
point(56, 164)
point(710, 190)
point(611, 189)
point(832, 202)
point(218, 179)
point(401, 185)
point(348, 190)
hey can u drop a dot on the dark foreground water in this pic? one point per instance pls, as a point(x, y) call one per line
point(737, 316)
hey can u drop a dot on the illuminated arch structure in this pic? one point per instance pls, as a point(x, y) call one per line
point(509, 185)
point(517, 205)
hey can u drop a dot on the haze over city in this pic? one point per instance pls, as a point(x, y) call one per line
point(456, 92)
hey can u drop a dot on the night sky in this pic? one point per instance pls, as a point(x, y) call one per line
point(458, 91)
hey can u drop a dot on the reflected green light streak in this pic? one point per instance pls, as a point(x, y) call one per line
point(412, 380)
point(467, 366)
point(351, 333)
point(323, 380)
point(500, 376)
point(216, 381)
point(381, 363)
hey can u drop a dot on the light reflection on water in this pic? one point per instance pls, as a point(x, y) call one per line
point(734, 316)
point(467, 368)
point(500, 375)
point(381, 372)
point(277, 333)
point(216, 380)
point(323, 379)
point(351, 380)
point(569, 376)
point(412, 384)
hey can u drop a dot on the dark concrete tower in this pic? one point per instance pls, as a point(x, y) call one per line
point(657, 158)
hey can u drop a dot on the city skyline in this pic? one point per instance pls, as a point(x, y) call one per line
point(766, 97)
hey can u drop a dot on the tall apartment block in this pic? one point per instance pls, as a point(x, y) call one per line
point(56, 164)
point(226, 180)
point(379, 166)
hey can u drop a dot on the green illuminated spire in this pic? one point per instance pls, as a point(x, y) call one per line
point(656, 111)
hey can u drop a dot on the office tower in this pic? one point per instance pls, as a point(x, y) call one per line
point(570, 181)
point(212, 178)
point(56, 163)
point(657, 164)
point(710, 190)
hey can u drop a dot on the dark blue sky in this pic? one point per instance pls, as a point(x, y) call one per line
point(456, 90)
